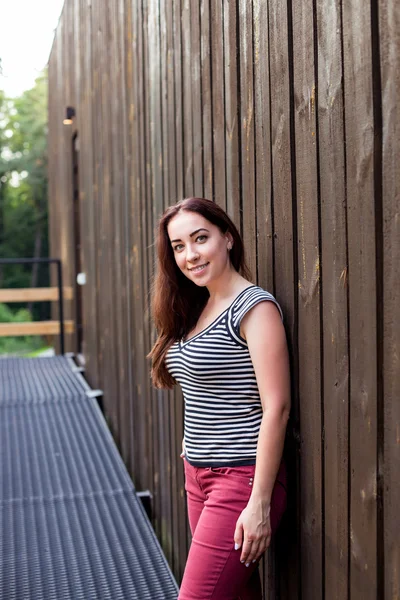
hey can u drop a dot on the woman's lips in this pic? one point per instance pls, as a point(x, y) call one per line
point(199, 269)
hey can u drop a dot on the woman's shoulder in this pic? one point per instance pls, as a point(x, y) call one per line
point(251, 293)
point(250, 297)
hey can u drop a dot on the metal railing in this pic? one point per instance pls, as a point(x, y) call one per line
point(36, 295)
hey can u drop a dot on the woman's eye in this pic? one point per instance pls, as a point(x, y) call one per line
point(201, 238)
point(178, 247)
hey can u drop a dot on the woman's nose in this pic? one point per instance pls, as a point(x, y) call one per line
point(192, 254)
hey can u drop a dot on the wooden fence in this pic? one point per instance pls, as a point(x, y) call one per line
point(286, 114)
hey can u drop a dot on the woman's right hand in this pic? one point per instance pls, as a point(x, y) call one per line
point(182, 455)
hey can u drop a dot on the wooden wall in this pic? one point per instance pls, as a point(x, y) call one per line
point(286, 114)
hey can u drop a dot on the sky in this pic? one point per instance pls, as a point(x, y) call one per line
point(26, 36)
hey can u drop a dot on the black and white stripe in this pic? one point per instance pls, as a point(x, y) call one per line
point(222, 404)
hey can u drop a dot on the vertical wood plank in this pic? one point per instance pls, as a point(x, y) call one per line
point(232, 117)
point(97, 185)
point(218, 118)
point(134, 79)
point(153, 185)
point(77, 28)
point(170, 197)
point(196, 100)
point(264, 217)
point(109, 221)
point(124, 319)
point(282, 167)
point(78, 217)
point(362, 299)
point(177, 8)
point(335, 319)
point(149, 397)
point(130, 177)
point(285, 262)
point(389, 28)
point(160, 415)
point(206, 94)
point(145, 213)
point(126, 28)
point(116, 234)
point(180, 183)
point(104, 217)
point(262, 120)
point(312, 564)
point(66, 212)
point(165, 402)
point(52, 149)
point(171, 191)
point(90, 299)
point(187, 72)
point(249, 224)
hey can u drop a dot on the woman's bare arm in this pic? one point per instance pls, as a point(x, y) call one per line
point(263, 329)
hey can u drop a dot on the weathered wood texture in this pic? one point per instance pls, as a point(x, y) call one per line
point(389, 339)
point(286, 114)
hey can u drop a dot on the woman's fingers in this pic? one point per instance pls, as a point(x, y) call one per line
point(253, 540)
point(253, 554)
point(253, 549)
point(238, 536)
point(262, 547)
point(247, 544)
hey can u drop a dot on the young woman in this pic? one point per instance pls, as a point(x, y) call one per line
point(222, 338)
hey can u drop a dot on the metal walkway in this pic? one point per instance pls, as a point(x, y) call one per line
point(71, 525)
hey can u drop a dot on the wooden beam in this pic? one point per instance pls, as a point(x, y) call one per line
point(34, 294)
point(35, 328)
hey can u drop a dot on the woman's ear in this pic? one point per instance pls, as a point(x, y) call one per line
point(229, 239)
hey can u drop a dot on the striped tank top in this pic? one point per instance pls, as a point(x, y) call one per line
point(222, 403)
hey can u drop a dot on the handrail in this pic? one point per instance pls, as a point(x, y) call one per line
point(40, 294)
point(57, 262)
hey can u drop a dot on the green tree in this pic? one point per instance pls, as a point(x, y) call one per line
point(4, 172)
point(23, 187)
point(27, 123)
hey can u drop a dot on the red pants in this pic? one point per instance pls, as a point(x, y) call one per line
point(216, 497)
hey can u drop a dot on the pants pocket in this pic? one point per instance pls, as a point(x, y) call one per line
point(245, 473)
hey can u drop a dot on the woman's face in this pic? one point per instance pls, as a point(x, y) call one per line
point(200, 248)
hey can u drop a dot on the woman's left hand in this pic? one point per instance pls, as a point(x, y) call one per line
point(253, 530)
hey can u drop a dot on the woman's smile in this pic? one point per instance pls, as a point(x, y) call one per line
point(199, 268)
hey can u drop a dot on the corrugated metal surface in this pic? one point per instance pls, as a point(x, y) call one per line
point(39, 380)
point(71, 525)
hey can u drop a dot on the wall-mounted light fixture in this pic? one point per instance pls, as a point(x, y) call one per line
point(69, 115)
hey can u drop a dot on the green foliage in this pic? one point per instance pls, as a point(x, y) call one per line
point(24, 199)
point(7, 315)
point(23, 168)
point(23, 171)
point(28, 123)
point(20, 218)
point(17, 345)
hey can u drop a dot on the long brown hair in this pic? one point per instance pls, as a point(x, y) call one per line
point(177, 302)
